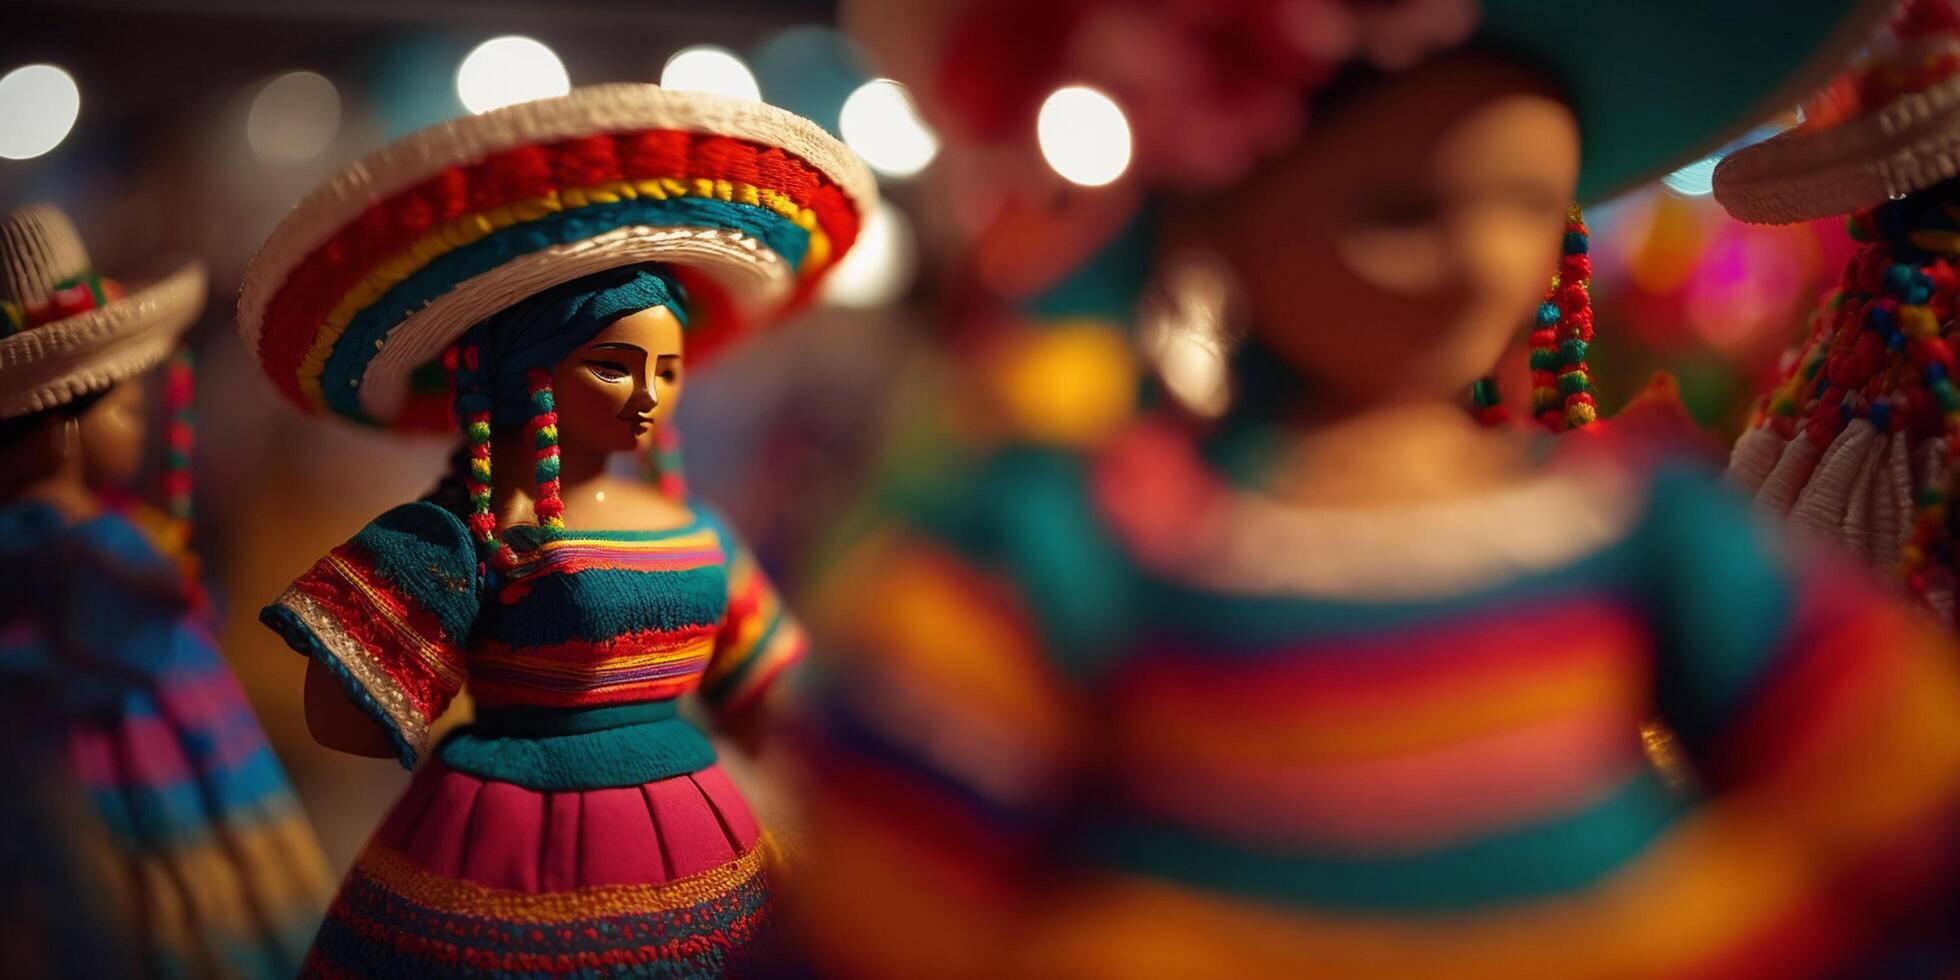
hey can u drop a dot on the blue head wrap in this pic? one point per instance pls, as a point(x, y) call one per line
point(543, 329)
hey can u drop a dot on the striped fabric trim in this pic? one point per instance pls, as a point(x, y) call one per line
point(575, 551)
point(647, 665)
point(311, 628)
point(391, 870)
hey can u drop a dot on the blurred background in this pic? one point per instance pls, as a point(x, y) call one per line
point(189, 127)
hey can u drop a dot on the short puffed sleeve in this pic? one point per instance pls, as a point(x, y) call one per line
point(757, 640)
point(389, 613)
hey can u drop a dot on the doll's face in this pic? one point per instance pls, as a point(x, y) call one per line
point(1395, 253)
point(110, 436)
point(614, 392)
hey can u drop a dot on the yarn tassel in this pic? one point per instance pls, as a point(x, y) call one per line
point(663, 464)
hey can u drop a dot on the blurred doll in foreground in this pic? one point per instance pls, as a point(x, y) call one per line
point(145, 827)
point(1341, 684)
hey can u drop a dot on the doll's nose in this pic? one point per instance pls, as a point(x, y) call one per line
point(645, 399)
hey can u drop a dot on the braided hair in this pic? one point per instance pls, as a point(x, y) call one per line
point(501, 371)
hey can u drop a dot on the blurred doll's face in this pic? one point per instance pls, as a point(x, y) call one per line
point(111, 436)
point(615, 392)
point(1396, 252)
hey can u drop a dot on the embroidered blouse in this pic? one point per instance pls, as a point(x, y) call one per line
point(586, 620)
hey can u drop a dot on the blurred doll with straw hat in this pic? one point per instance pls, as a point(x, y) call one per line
point(148, 829)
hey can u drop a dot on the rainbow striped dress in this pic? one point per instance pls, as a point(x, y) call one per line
point(579, 827)
point(146, 828)
point(1119, 714)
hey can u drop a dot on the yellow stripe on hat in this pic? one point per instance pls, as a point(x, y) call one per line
point(470, 228)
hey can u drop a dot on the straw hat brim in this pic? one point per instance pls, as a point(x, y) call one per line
point(55, 363)
point(1910, 144)
point(732, 230)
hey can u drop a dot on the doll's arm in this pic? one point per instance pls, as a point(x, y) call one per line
point(385, 618)
point(756, 646)
point(337, 722)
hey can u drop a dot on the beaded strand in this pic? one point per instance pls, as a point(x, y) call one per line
point(1562, 330)
point(1562, 391)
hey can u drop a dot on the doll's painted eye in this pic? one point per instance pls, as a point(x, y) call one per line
point(669, 374)
point(611, 372)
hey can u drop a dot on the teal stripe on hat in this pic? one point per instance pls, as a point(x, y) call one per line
point(356, 346)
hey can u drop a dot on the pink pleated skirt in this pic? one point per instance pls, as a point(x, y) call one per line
point(470, 877)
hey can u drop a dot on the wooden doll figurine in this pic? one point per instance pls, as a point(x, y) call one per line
point(146, 828)
point(562, 264)
point(1343, 684)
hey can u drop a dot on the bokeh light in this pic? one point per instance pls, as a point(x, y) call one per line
point(507, 70)
point(880, 122)
point(293, 118)
point(38, 106)
point(1084, 136)
point(711, 69)
point(880, 266)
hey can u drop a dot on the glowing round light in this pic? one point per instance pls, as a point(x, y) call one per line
point(880, 122)
point(1694, 180)
point(706, 68)
point(507, 70)
point(1084, 136)
point(879, 267)
point(38, 106)
point(294, 118)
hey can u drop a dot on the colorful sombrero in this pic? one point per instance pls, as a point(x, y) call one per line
point(1885, 129)
point(66, 331)
point(358, 292)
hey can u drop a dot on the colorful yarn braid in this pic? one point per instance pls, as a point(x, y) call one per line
point(472, 410)
point(473, 413)
point(1562, 391)
point(178, 395)
point(543, 428)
